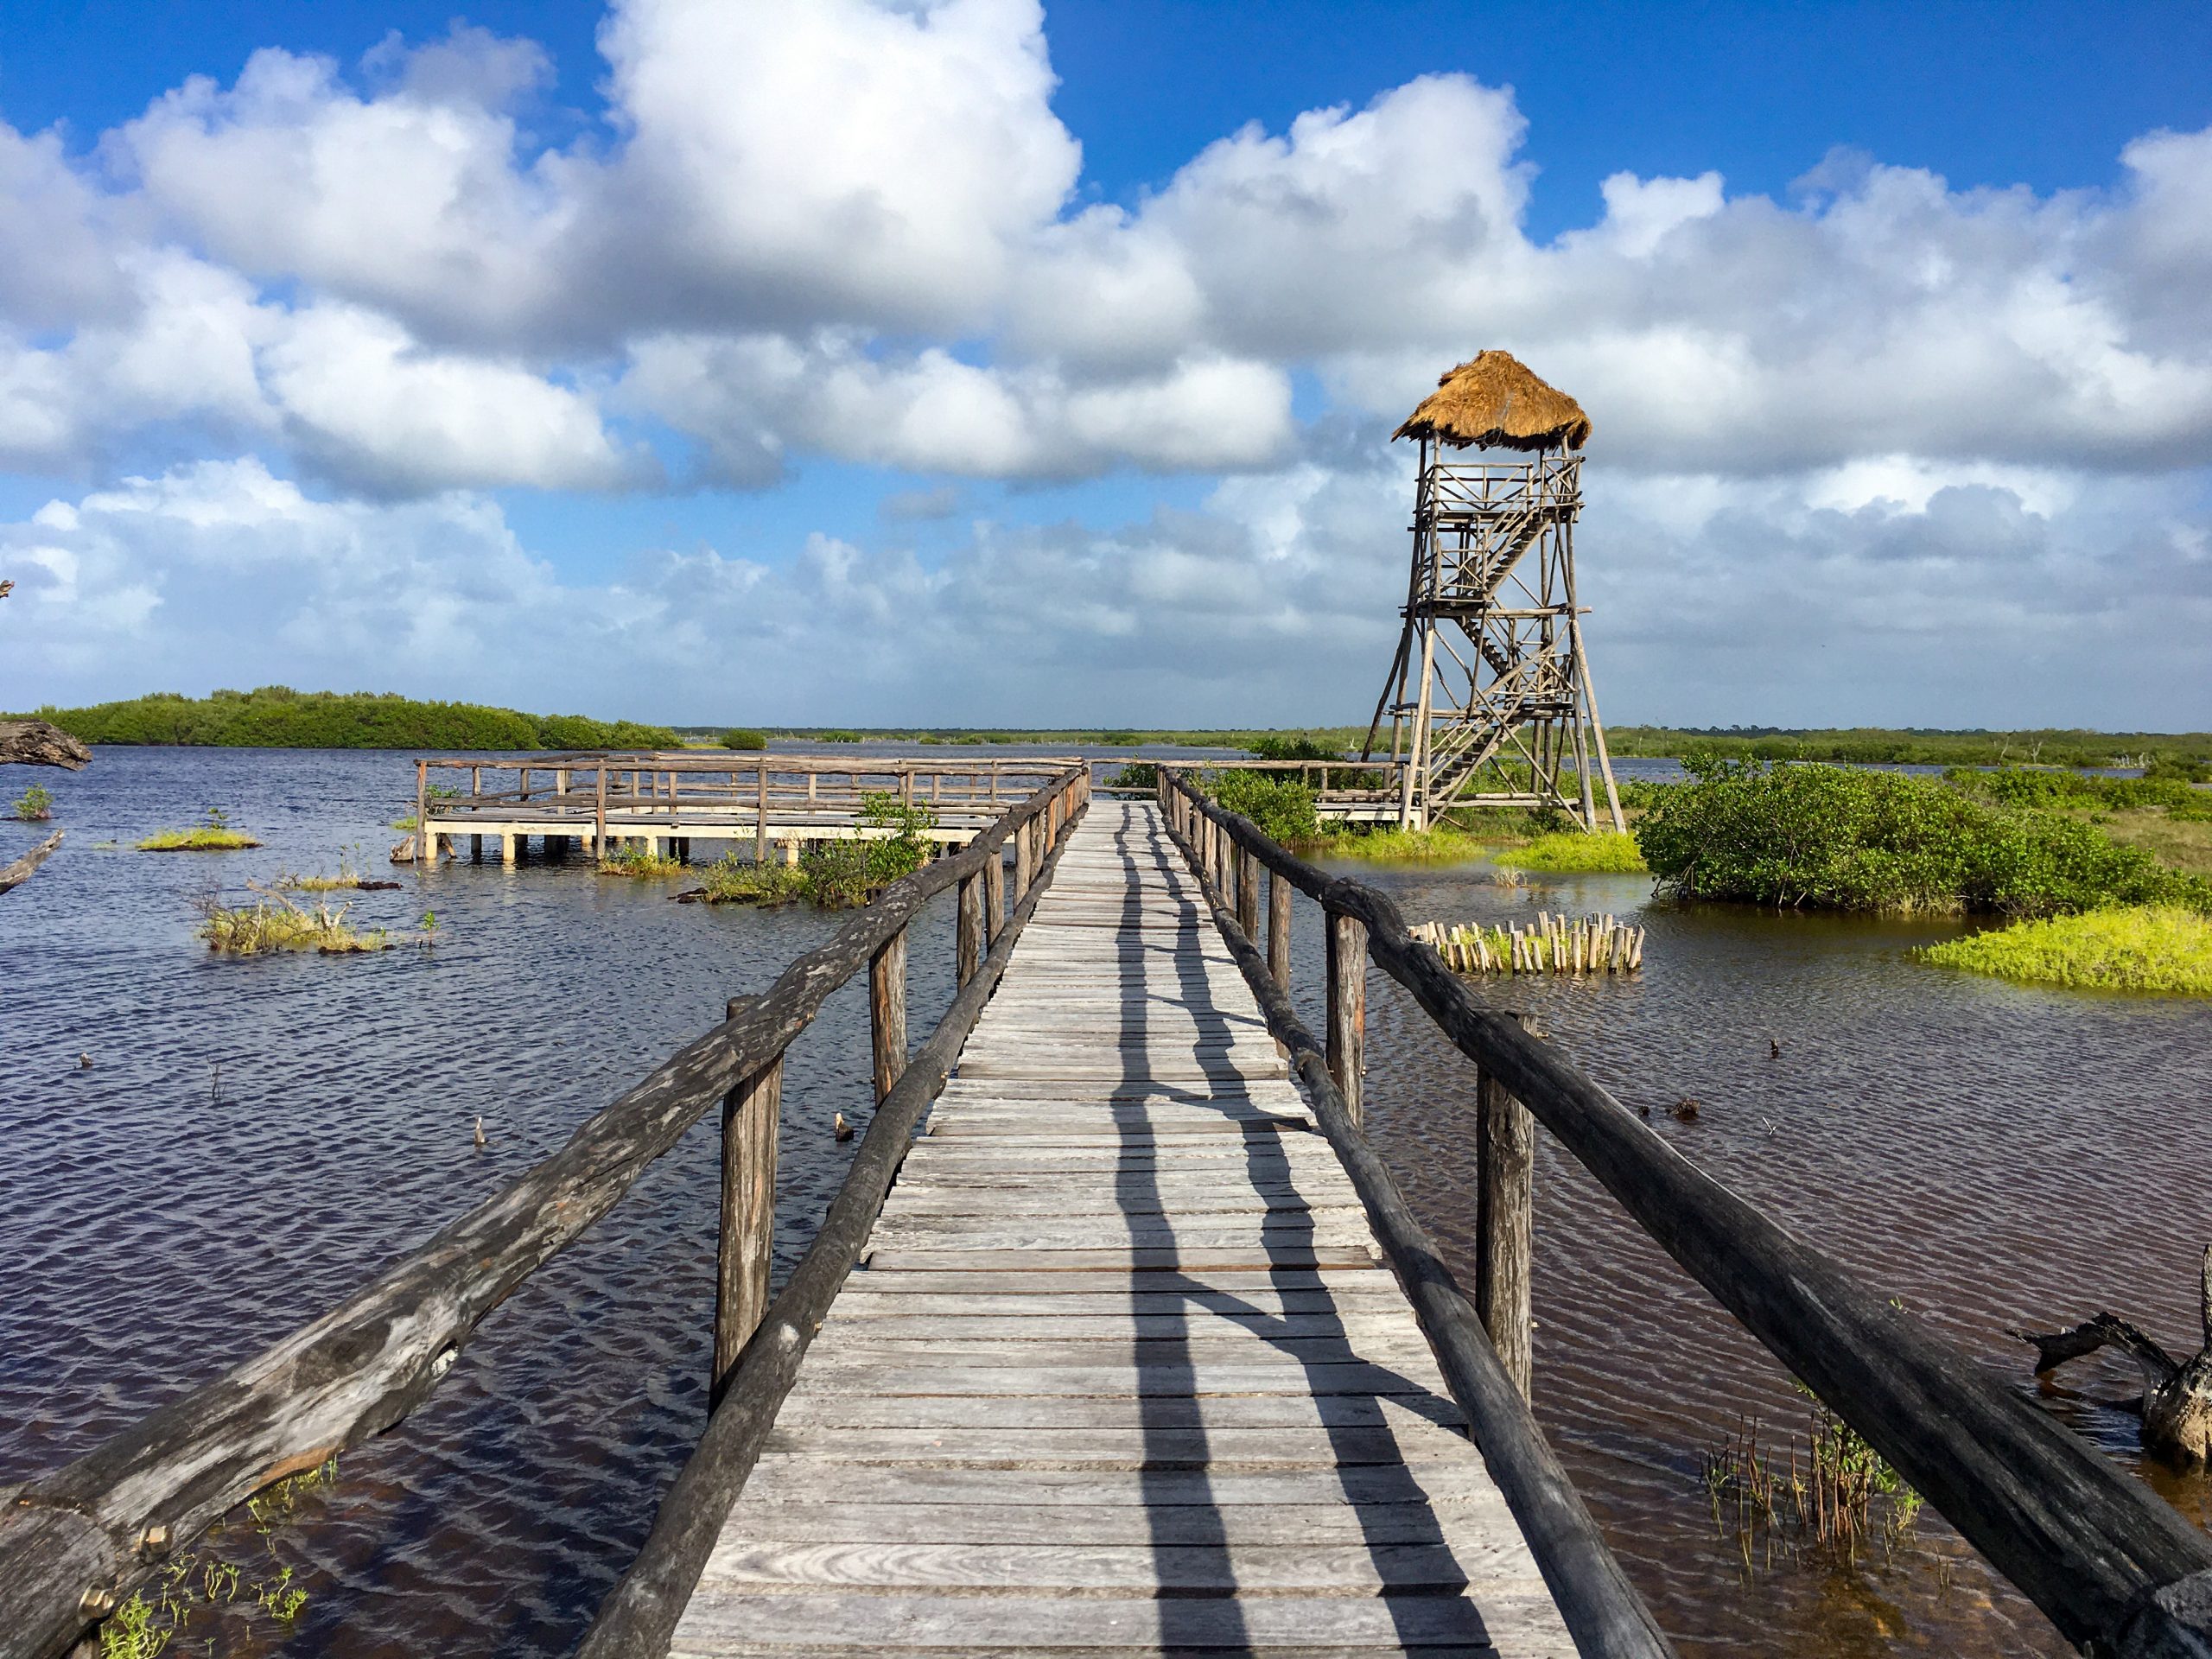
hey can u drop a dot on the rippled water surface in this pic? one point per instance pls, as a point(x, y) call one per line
point(251, 1140)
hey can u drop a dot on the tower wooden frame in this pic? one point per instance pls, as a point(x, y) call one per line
point(1492, 682)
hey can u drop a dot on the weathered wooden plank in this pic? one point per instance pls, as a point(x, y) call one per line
point(805, 1409)
point(828, 1377)
point(1120, 1448)
point(1019, 1525)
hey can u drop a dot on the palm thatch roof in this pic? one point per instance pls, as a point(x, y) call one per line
point(1493, 399)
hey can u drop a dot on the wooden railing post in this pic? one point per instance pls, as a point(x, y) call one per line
point(422, 812)
point(1347, 1007)
point(1505, 1160)
point(993, 894)
point(1024, 862)
point(1248, 894)
point(886, 1011)
point(969, 945)
point(599, 815)
point(752, 1115)
point(1279, 893)
point(761, 825)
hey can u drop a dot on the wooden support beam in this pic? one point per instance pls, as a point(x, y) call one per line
point(969, 945)
point(886, 1011)
point(1347, 1008)
point(1024, 862)
point(752, 1117)
point(1248, 894)
point(760, 820)
point(1505, 1161)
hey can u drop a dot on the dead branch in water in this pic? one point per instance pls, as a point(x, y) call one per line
point(2177, 1397)
point(15, 874)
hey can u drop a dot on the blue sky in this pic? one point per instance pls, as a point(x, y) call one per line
point(526, 356)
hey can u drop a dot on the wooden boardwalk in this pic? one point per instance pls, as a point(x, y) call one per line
point(1124, 1372)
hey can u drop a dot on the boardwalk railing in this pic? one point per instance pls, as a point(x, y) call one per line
point(75, 1544)
point(2114, 1567)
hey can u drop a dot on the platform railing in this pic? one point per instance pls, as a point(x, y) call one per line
point(2113, 1565)
point(75, 1544)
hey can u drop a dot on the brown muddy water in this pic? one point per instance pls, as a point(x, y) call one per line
point(1992, 1155)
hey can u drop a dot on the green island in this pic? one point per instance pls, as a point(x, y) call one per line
point(2093, 880)
point(277, 717)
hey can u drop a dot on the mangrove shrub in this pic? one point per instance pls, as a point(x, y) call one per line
point(1845, 839)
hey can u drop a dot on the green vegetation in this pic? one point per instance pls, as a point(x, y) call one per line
point(839, 874)
point(1137, 774)
point(739, 738)
point(638, 858)
point(349, 878)
point(2036, 786)
point(1385, 844)
point(276, 717)
point(2143, 948)
point(1606, 852)
point(837, 736)
point(1846, 1498)
point(201, 1581)
point(34, 804)
point(1277, 802)
point(1870, 746)
point(729, 880)
point(215, 836)
point(263, 928)
point(1838, 838)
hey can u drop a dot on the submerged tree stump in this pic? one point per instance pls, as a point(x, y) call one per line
point(36, 743)
point(2177, 1397)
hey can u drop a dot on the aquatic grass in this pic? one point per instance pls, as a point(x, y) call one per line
point(1605, 852)
point(632, 859)
point(1843, 1498)
point(265, 927)
point(2142, 948)
point(349, 878)
point(729, 880)
point(213, 835)
point(1390, 846)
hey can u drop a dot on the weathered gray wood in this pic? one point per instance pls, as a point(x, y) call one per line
point(1279, 896)
point(41, 743)
point(14, 874)
point(1347, 1009)
point(968, 942)
point(1205, 1569)
point(2101, 1554)
point(638, 1620)
point(994, 898)
point(1505, 1162)
point(752, 1119)
point(1248, 894)
point(886, 1011)
point(363, 1367)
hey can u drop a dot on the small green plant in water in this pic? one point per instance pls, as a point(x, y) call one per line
point(1573, 852)
point(34, 804)
point(637, 858)
point(274, 923)
point(729, 880)
point(213, 835)
point(2143, 948)
point(1845, 1500)
point(839, 874)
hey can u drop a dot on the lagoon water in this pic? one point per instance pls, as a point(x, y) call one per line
point(251, 1140)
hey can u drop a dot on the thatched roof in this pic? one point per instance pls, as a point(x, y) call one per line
point(1493, 399)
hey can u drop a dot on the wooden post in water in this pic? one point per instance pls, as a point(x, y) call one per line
point(1505, 1162)
point(422, 813)
point(970, 946)
point(599, 815)
point(886, 1011)
point(1279, 896)
point(760, 827)
point(1347, 1007)
point(1248, 894)
point(752, 1114)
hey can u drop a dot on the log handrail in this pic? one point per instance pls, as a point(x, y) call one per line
point(2111, 1563)
point(1603, 1611)
point(75, 1543)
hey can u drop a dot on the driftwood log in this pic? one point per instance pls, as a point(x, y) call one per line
point(15, 874)
point(2177, 1395)
point(36, 743)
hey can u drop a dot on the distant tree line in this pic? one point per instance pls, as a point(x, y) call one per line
point(277, 717)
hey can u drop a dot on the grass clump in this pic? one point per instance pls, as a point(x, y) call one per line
point(839, 874)
point(214, 835)
point(1839, 838)
point(740, 738)
point(730, 881)
point(2141, 948)
point(274, 923)
point(349, 878)
point(34, 804)
point(1605, 852)
point(636, 858)
point(1842, 1499)
point(1393, 845)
